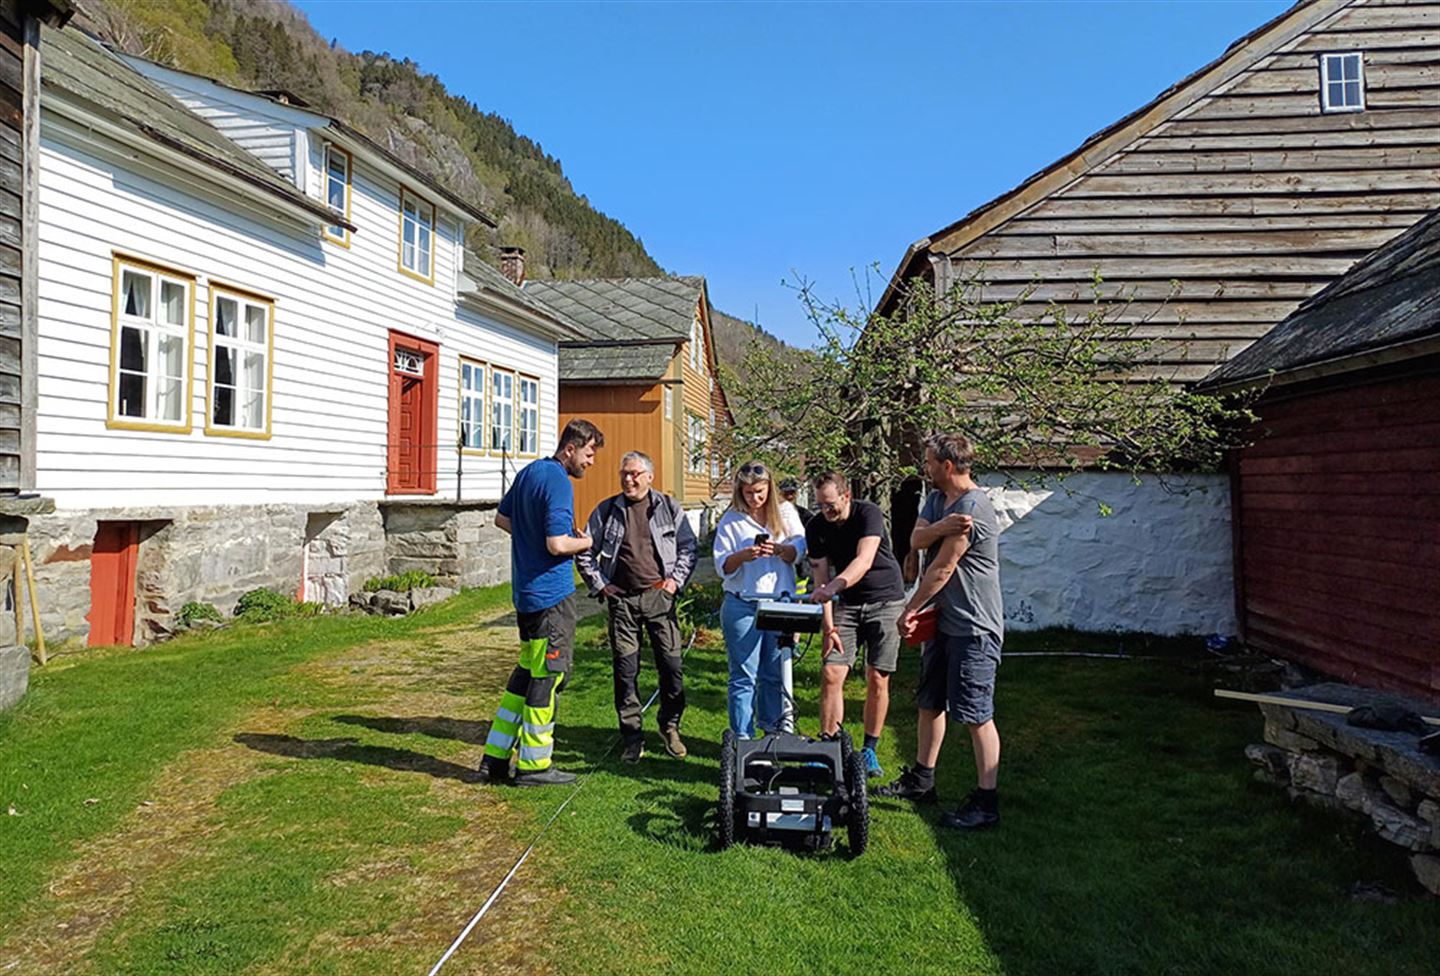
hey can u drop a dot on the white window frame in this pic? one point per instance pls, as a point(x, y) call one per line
point(243, 346)
point(475, 400)
point(500, 407)
point(669, 397)
point(417, 216)
point(152, 330)
point(1338, 59)
point(527, 415)
point(339, 235)
point(696, 436)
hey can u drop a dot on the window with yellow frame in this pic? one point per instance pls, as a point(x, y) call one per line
point(242, 342)
point(151, 347)
point(473, 386)
point(338, 167)
point(417, 237)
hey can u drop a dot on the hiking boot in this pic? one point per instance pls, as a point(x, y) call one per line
point(908, 787)
point(492, 771)
point(872, 764)
point(549, 776)
point(634, 749)
point(673, 743)
point(974, 814)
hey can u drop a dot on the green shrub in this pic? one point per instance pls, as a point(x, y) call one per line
point(264, 604)
point(415, 579)
point(699, 605)
point(194, 611)
point(309, 609)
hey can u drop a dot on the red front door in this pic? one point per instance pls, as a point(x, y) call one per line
point(414, 403)
point(112, 583)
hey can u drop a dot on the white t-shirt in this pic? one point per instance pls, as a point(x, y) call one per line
point(767, 577)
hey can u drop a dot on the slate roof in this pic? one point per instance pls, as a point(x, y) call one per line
point(1390, 297)
point(83, 70)
point(625, 309)
point(615, 364)
point(486, 277)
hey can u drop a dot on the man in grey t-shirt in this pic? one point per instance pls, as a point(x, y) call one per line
point(957, 667)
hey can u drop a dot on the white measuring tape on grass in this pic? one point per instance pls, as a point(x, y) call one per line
point(579, 785)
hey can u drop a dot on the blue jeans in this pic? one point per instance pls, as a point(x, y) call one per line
point(755, 665)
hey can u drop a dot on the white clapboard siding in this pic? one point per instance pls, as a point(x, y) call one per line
point(269, 131)
point(334, 309)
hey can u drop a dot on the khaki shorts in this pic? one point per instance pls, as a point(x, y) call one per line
point(871, 625)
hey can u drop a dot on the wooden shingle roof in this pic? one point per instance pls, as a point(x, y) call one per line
point(1389, 300)
point(82, 70)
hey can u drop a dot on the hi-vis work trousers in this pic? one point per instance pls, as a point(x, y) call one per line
point(526, 717)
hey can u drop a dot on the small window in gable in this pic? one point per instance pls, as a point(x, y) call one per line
point(241, 341)
point(337, 190)
point(151, 348)
point(1342, 82)
point(697, 347)
point(417, 237)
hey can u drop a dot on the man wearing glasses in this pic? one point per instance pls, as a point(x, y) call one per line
point(642, 553)
point(851, 555)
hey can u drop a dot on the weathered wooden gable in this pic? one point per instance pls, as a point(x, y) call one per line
point(1220, 218)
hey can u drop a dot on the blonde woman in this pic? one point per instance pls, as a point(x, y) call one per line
point(757, 543)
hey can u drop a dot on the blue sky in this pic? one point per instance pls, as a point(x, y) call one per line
point(754, 143)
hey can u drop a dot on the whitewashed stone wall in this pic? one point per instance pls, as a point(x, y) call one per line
point(1159, 562)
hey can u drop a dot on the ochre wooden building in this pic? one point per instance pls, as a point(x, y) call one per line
point(1336, 503)
point(647, 376)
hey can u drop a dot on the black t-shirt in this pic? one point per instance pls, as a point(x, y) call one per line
point(836, 543)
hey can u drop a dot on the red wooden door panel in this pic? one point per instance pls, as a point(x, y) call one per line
point(112, 583)
point(411, 458)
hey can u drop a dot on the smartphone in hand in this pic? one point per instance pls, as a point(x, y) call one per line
point(762, 538)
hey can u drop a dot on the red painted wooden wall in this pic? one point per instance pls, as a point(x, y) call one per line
point(1338, 532)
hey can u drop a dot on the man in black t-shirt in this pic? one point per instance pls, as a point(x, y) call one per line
point(850, 552)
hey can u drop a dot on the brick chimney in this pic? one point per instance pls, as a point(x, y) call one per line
point(512, 264)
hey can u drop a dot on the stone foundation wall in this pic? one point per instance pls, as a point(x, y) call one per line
point(1378, 776)
point(207, 554)
point(455, 542)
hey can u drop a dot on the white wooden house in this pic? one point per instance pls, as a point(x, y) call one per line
point(261, 358)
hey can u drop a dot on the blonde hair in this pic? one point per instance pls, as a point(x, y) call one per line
point(759, 473)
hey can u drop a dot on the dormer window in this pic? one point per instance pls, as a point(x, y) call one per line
point(417, 237)
point(1342, 82)
point(337, 191)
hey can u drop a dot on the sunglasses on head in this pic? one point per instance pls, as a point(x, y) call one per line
point(752, 469)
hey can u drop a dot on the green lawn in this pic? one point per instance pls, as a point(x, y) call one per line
point(300, 798)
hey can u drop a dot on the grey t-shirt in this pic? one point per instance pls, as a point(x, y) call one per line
point(970, 601)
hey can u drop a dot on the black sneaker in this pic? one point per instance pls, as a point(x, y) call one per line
point(634, 749)
point(973, 814)
point(492, 771)
point(908, 787)
point(549, 776)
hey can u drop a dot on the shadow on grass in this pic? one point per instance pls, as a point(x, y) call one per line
point(349, 750)
point(435, 726)
point(1133, 841)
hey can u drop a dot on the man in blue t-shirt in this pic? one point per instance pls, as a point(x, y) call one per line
point(539, 513)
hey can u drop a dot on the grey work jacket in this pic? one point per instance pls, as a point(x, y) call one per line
point(674, 540)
